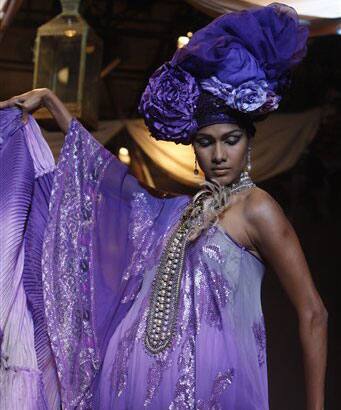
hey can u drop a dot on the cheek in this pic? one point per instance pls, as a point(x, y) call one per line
point(203, 157)
point(237, 155)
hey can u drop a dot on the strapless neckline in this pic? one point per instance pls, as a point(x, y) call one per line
point(221, 229)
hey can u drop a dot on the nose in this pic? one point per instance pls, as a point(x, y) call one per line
point(218, 154)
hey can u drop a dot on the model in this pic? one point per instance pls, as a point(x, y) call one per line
point(154, 301)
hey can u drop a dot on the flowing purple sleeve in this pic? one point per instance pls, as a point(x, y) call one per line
point(26, 173)
point(101, 226)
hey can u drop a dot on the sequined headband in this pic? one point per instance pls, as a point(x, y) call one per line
point(212, 110)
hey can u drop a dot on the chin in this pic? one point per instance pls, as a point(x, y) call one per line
point(222, 179)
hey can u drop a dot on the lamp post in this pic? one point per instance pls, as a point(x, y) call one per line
point(68, 56)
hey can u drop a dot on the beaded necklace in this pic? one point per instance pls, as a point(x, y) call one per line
point(204, 208)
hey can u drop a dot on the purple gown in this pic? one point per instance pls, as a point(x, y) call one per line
point(102, 240)
point(218, 358)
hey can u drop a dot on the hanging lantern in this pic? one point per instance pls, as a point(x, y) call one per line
point(68, 57)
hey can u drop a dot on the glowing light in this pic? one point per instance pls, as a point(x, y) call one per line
point(123, 155)
point(70, 33)
point(182, 41)
point(189, 34)
point(90, 49)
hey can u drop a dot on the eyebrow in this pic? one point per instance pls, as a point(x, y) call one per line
point(203, 134)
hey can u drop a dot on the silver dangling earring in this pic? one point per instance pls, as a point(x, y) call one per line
point(248, 160)
point(245, 179)
point(248, 166)
point(196, 171)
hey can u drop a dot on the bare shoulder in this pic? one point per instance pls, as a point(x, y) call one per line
point(261, 208)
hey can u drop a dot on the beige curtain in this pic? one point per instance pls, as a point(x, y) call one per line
point(309, 9)
point(279, 142)
point(176, 160)
point(2, 8)
point(106, 130)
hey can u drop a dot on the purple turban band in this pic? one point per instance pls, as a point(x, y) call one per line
point(212, 110)
point(243, 59)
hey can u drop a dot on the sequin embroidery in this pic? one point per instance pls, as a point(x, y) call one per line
point(67, 264)
point(120, 369)
point(185, 386)
point(259, 333)
point(222, 381)
point(214, 252)
point(143, 239)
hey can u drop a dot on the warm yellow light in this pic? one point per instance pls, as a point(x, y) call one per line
point(90, 49)
point(182, 41)
point(189, 34)
point(70, 33)
point(123, 155)
point(63, 75)
point(123, 151)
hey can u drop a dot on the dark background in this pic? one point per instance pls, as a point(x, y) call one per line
point(143, 34)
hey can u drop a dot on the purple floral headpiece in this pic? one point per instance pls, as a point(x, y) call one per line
point(245, 59)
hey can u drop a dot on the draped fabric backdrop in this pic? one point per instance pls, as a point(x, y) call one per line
point(310, 9)
point(279, 142)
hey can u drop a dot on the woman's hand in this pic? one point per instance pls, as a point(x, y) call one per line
point(28, 102)
point(40, 97)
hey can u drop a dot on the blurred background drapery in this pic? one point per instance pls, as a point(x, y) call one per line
point(323, 17)
point(279, 142)
point(311, 9)
point(296, 154)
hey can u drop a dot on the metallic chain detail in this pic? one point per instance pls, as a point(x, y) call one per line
point(163, 308)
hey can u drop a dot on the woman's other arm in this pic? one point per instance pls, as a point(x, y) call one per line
point(275, 239)
point(41, 97)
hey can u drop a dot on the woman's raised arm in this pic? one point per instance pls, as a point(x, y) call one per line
point(41, 97)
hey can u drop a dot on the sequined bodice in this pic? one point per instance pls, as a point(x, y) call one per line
point(220, 273)
point(225, 270)
point(219, 300)
point(164, 300)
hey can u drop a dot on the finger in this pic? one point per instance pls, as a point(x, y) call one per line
point(24, 117)
point(12, 102)
point(25, 111)
point(7, 104)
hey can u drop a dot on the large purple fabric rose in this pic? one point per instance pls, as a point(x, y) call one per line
point(168, 104)
point(258, 44)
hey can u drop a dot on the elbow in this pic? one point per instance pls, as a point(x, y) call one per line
point(321, 317)
point(316, 316)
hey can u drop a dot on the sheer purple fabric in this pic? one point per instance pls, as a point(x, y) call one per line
point(262, 43)
point(27, 372)
point(218, 357)
point(102, 225)
point(100, 244)
point(102, 248)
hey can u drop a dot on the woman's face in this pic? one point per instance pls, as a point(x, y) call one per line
point(221, 151)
